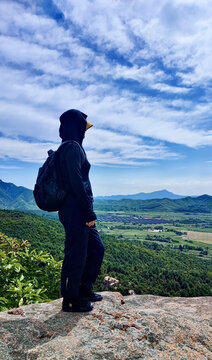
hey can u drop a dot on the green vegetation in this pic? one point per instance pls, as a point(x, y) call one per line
point(170, 237)
point(158, 272)
point(43, 234)
point(160, 264)
point(16, 197)
point(201, 204)
point(26, 276)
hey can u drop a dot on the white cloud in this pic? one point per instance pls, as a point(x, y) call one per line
point(152, 118)
point(136, 149)
point(23, 150)
point(33, 39)
point(32, 107)
point(9, 167)
point(25, 120)
point(170, 89)
point(108, 158)
point(40, 57)
point(177, 32)
point(145, 73)
point(103, 147)
point(64, 74)
point(99, 21)
point(148, 76)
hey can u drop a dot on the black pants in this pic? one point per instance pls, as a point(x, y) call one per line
point(84, 252)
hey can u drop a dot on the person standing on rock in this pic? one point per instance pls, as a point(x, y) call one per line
point(84, 249)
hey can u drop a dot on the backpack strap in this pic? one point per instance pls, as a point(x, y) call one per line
point(61, 180)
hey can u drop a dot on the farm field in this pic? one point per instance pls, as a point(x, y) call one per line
point(197, 222)
point(188, 233)
point(154, 230)
point(199, 236)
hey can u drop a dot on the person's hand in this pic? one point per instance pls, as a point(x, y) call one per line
point(91, 223)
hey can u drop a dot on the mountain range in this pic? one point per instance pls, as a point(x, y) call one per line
point(20, 198)
point(161, 194)
point(191, 205)
point(16, 197)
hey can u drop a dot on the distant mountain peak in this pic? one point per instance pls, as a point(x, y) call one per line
point(159, 194)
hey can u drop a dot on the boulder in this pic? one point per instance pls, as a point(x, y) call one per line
point(118, 328)
point(110, 281)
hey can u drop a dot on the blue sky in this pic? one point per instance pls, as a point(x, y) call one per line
point(142, 72)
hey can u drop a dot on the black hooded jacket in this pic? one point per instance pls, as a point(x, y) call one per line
point(74, 164)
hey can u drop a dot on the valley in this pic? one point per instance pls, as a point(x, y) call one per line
point(191, 234)
point(151, 258)
point(157, 246)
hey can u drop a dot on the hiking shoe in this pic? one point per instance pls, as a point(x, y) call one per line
point(89, 295)
point(76, 305)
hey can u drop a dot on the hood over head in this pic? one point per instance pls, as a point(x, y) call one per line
point(73, 125)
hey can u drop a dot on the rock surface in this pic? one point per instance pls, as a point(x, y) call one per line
point(118, 328)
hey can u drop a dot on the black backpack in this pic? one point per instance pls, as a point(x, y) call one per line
point(49, 191)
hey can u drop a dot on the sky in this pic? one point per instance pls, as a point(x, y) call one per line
point(142, 72)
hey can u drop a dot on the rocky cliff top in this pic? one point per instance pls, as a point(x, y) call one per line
point(118, 328)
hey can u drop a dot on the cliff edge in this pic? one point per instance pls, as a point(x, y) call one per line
point(118, 328)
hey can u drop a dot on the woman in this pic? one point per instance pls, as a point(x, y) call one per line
point(84, 249)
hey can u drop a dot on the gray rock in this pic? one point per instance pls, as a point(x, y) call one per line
point(118, 328)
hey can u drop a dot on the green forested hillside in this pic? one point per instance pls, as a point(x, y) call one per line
point(159, 272)
point(162, 272)
point(201, 204)
point(43, 234)
point(16, 197)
